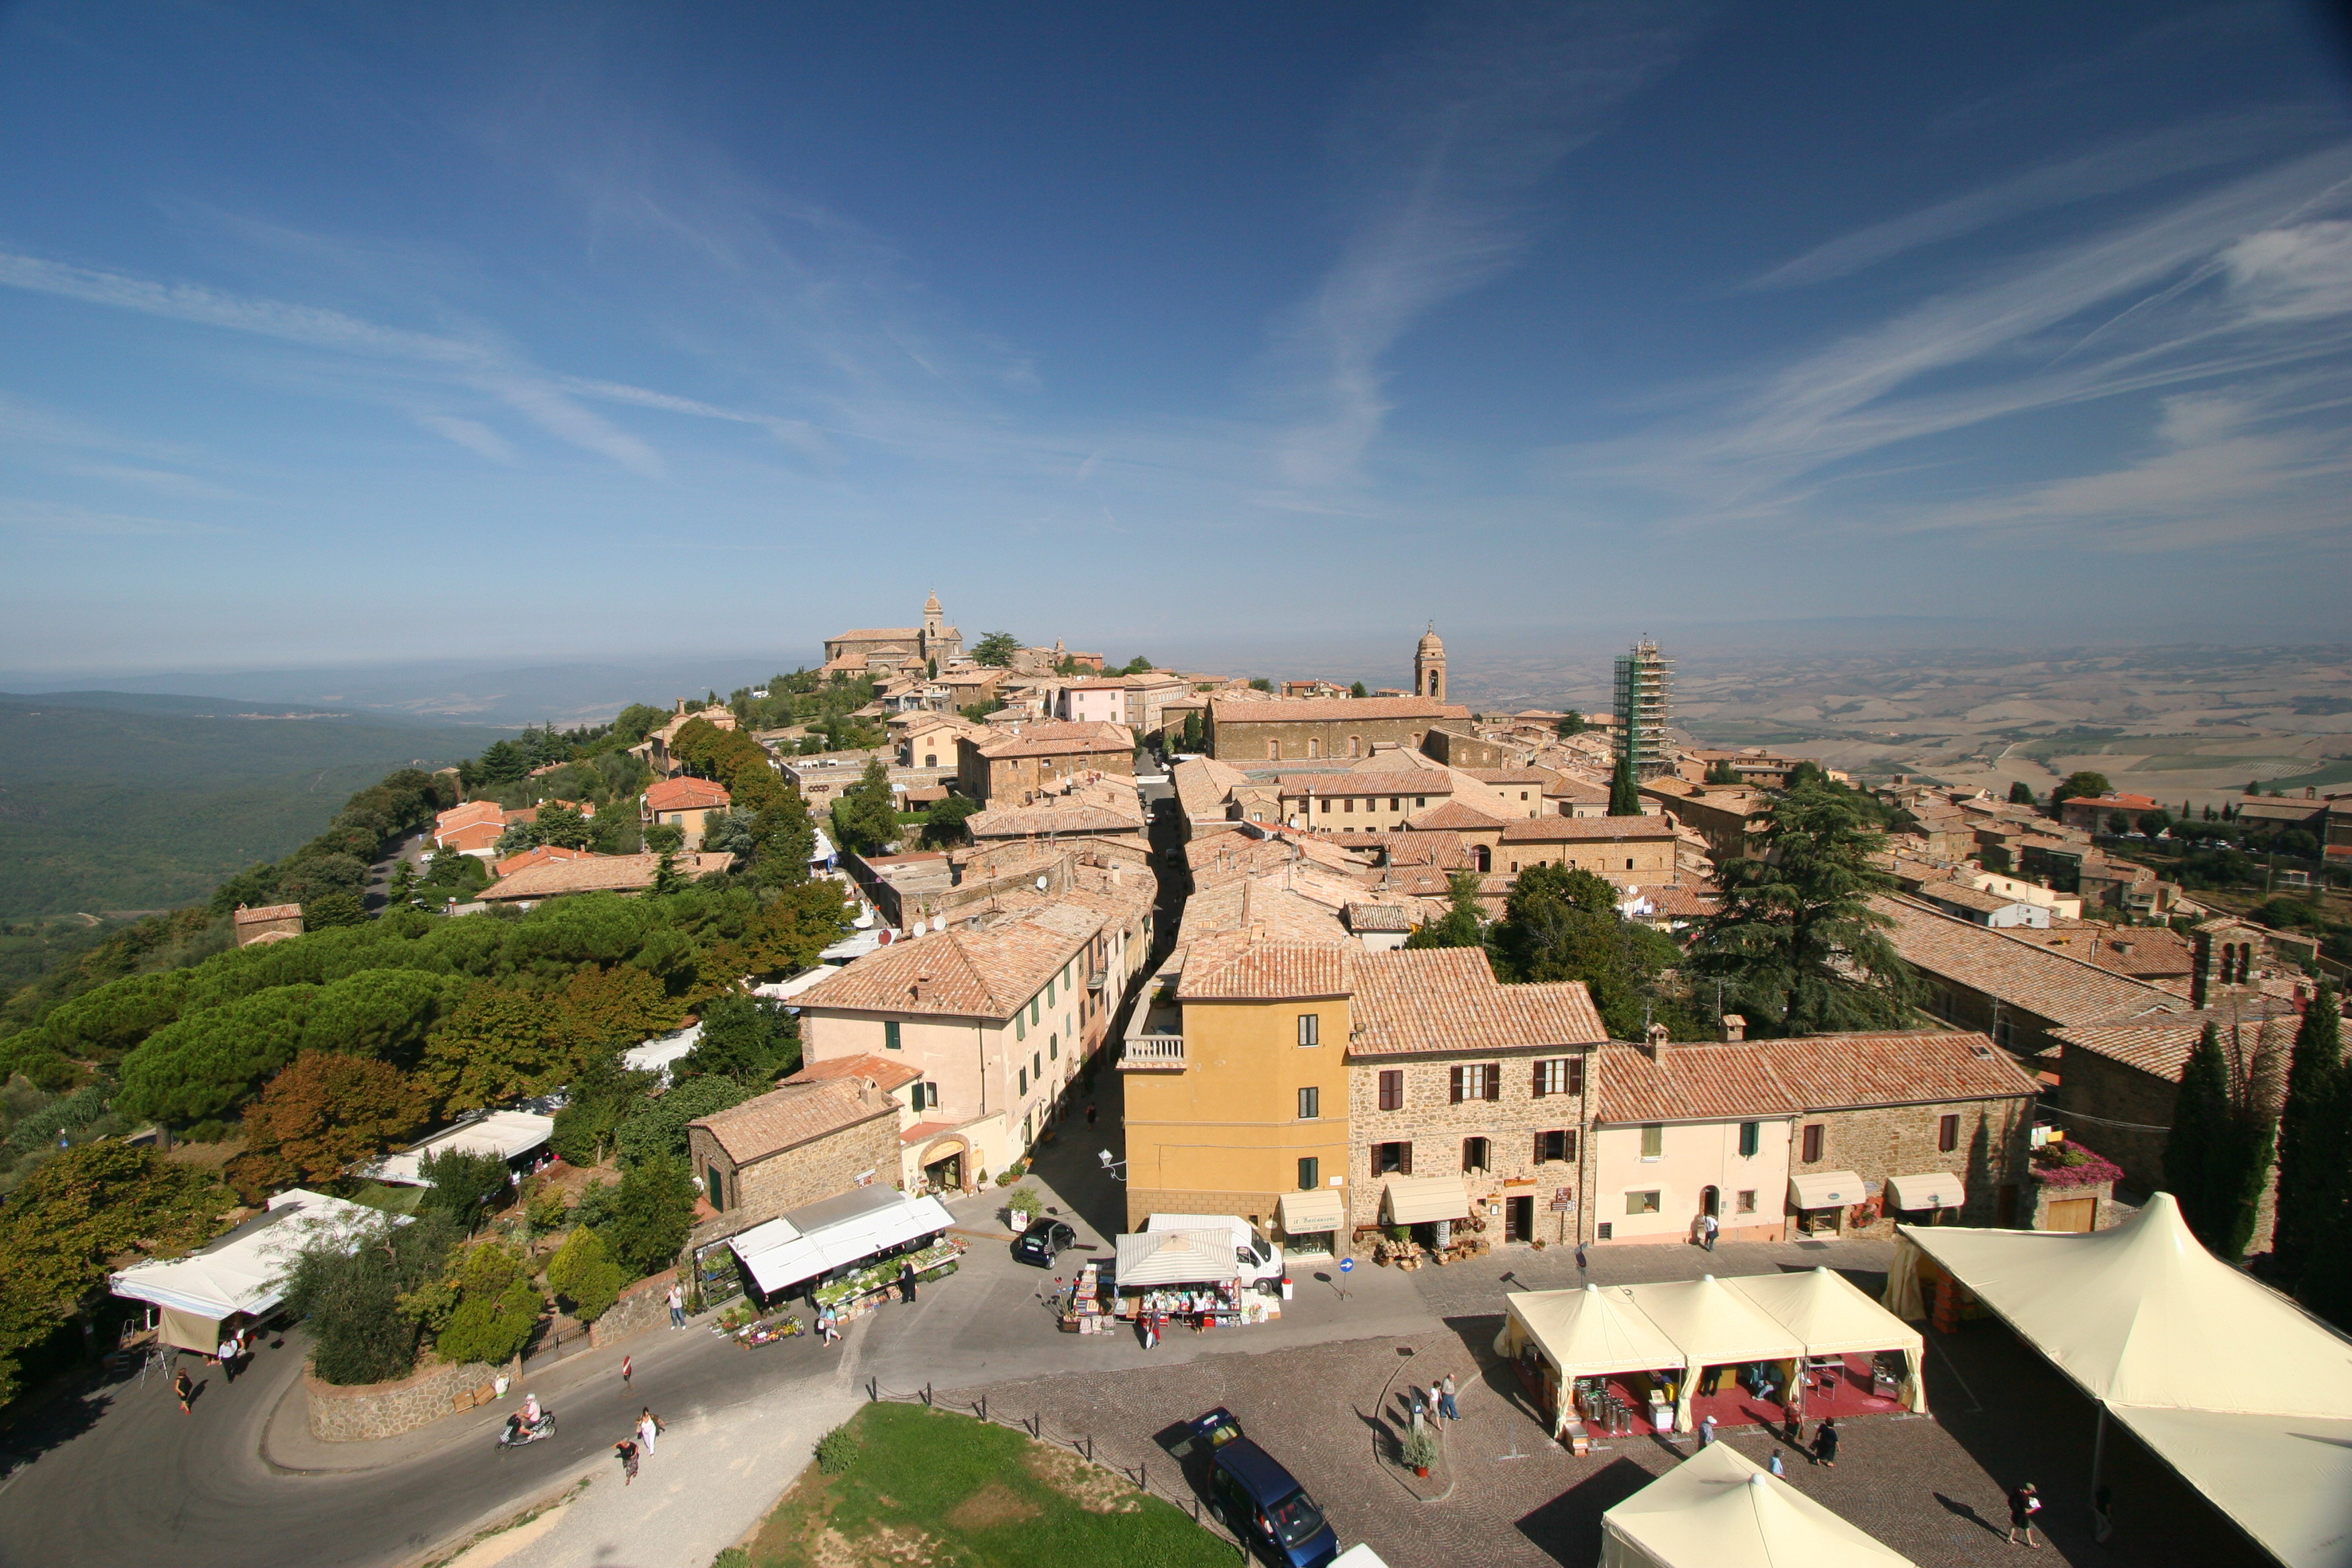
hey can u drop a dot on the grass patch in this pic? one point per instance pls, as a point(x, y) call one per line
point(2329, 773)
point(927, 1487)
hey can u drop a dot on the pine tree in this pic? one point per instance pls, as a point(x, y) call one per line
point(2195, 1154)
point(2315, 1154)
point(1625, 796)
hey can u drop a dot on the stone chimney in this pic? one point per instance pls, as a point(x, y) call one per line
point(1735, 1029)
point(1653, 1041)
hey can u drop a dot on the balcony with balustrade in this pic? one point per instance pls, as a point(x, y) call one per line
point(1152, 1052)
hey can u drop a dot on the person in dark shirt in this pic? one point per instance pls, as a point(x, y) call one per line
point(1825, 1443)
point(2024, 1503)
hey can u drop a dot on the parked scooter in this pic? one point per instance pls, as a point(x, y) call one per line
point(518, 1431)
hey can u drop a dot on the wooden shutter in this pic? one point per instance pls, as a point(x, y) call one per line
point(1455, 1076)
point(1405, 1159)
point(1538, 1091)
point(1539, 1147)
point(1494, 1081)
point(1576, 1074)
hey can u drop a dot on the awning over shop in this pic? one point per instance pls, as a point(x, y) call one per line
point(1932, 1189)
point(1176, 1257)
point(241, 1275)
point(1823, 1308)
point(1719, 1509)
point(1303, 1214)
point(1825, 1190)
point(1424, 1200)
point(782, 1253)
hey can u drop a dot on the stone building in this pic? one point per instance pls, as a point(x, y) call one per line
point(1629, 851)
point(687, 804)
point(870, 648)
point(1009, 770)
point(1429, 666)
point(792, 1146)
point(272, 922)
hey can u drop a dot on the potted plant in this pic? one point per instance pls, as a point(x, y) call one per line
point(1419, 1449)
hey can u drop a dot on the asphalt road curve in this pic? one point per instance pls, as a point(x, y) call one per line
point(121, 1476)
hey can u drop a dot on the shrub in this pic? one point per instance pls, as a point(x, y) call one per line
point(359, 1331)
point(583, 1275)
point(1418, 1449)
point(496, 1306)
point(1024, 1204)
point(658, 1126)
point(463, 1185)
point(836, 1450)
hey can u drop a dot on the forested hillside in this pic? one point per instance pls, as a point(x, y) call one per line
point(112, 801)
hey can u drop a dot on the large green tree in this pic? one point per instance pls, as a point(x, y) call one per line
point(2218, 1155)
point(583, 1276)
point(500, 1044)
point(1559, 924)
point(2315, 1154)
point(2082, 784)
point(1625, 795)
point(995, 649)
point(656, 1129)
point(1463, 924)
point(748, 1038)
point(349, 1289)
point(866, 817)
point(652, 1211)
point(318, 1116)
point(1793, 939)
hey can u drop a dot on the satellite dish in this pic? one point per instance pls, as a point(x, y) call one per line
point(939, 922)
point(1041, 884)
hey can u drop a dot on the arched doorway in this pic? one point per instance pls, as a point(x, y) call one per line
point(1482, 858)
point(943, 1164)
point(1710, 1202)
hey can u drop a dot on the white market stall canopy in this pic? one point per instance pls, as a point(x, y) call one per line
point(832, 1234)
point(1928, 1190)
point(2241, 1391)
point(1303, 1214)
point(241, 1275)
point(1825, 1190)
point(785, 990)
point(505, 1133)
point(1718, 1510)
point(658, 1054)
point(1713, 1325)
point(1177, 1257)
point(1588, 1333)
point(1823, 1308)
point(1425, 1200)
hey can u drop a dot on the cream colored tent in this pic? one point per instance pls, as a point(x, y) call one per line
point(1822, 1308)
point(1714, 1325)
point(2247, 1397)
point(1718, 1509)
point(1588, 1333)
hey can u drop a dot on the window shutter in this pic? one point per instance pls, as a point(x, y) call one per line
point(1576, 1074)
point(1405, 1159)
point(1455, 1074)
point(1539, 1147)
point(1494, 1081)
point(1539, 1089)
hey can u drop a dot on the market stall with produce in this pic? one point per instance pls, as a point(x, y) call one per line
point(847, 1253)
point(1186, 1277)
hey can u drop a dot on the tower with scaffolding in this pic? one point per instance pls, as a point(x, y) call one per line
point(1645, 690)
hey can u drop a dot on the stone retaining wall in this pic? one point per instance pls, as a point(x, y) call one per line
point(641, 1307)
point(352, 1414)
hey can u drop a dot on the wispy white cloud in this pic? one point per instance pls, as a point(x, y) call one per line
point(23, 515)
point(2119, 166)
point(471, 434)
point(1444, 151)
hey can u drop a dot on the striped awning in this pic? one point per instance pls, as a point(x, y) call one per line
point(1424, 1200)
point(1305, 1213)
point(1825, 1190)
point(1929, 1190)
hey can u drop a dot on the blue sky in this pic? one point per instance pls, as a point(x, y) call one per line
point(343, 332)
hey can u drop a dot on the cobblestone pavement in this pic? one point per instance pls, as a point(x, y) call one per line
point(1931, 1487)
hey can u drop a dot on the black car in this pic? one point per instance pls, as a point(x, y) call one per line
point(1043, 1239)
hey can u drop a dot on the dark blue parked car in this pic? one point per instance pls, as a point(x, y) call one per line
point(1252, 1496)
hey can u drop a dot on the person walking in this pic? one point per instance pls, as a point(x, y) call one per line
point(677, 1307)
point(1091, 1113)
point(1774, 1464)
point(906, 1282)
point(649, 1426)
point(227, 1356)
point(183, 1388)
point(628, 1452)
point(625, 1370)
point(1825, 1442)
point(2024, 1503)
point(1445, 1406)
point(1706, 1432)
point(1708, 1227)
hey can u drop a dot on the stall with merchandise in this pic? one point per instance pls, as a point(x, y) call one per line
point(1186, 1279)
point(846, 1254)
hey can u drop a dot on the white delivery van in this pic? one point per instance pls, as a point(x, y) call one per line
point(1262, 1261)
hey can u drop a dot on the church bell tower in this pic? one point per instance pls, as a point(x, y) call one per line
point(1429, 666)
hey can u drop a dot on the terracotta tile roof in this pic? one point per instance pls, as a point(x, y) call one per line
point(1360, 781)
point(1968, 897)
point(1453, 816)
point(1256, 710)
point(1050, 739)
point(1557, 829)
point(267, 912)
point(538, 856)
point(886, 1073)
point(960, 973)
point(788, 1117)
point(683, 793)
point(1833, 1072)
point(874, 633)
point(598, 874)
point(1364, 916)
point(1238, 966)
point(468, 813)
point(2143, 952)
point(1447, 999)
point(2066, 990)
point(1687, 1083)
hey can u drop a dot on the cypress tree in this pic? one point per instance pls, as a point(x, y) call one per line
point(2326, 1285)
point(2195, 1154)
point(1625, 796)
point(2313, 1151)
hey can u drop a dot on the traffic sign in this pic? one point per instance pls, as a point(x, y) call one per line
point(1347, 1266)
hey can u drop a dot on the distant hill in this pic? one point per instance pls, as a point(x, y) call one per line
point(115, 800)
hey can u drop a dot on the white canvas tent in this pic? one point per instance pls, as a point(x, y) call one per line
point(2242, 1392)
point(1823, 1308)
point(505, 1133)
point(1588, 1333)
point(239, 1276)
point(1713, 1325)
point(1176, 1257)
point(1718, 1510)
point(832, 1234)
